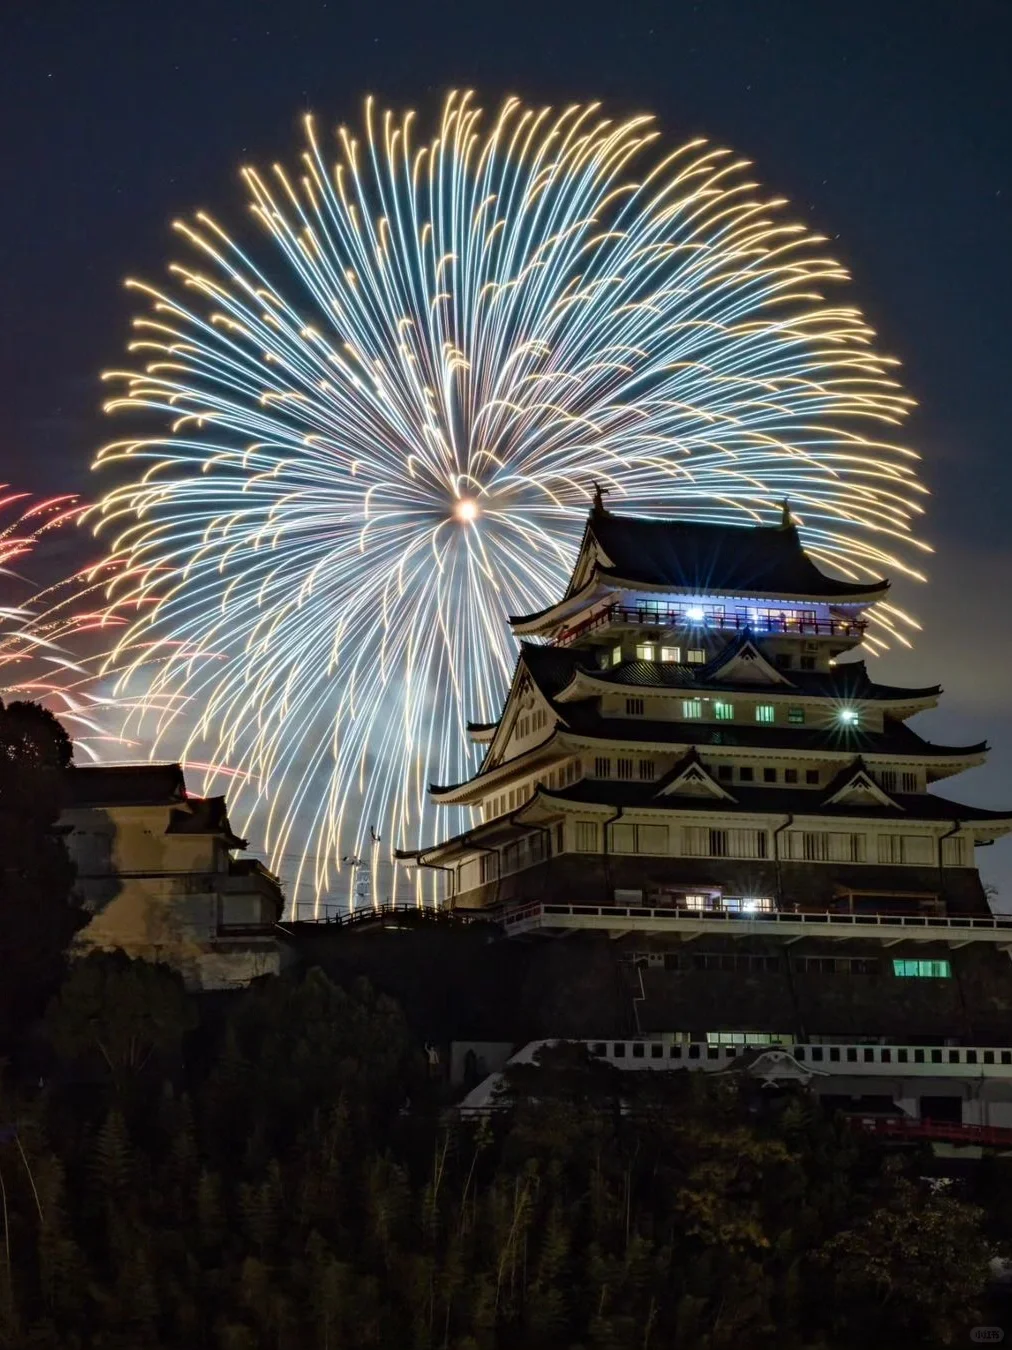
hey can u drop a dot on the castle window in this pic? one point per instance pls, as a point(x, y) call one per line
point(846, 847)
point(488, 867)
point(887, 779)
point(616, 656)
point(651, 839)
point(815, 846)
point(906, 848)
point(807, 662)
point(696, 656)
point(718, 843)
point(954, 852)
point(790, 775)
point(634, 707)
point(835, 965)
point(627, 838)
point(602, 767)
point(671, 654)
point(648, 769)
point(646, 651)
point(769, 775)
point(745, 773)
point(725, 772)
point(748, 844)
point(587, 836)
point(692, 708)
point(812, 777)
point(625, 768)
point(723, 712)
point(921, 970)
point(910, 782)
point(782, 660)
point(796, 717)
point(765, 712)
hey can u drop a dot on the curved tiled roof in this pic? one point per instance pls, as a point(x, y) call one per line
point(697, 557)
point(124, 785)
point(849, 681)
point(692, 555)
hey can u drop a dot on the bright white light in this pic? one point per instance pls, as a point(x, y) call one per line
point(849, 715)
point(695, 614)
point(466, 510)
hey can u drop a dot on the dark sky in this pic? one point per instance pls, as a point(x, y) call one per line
point(887, 123)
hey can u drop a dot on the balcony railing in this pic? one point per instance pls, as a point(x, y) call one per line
point(657, 616)
point(367, 914)
point(916, 927)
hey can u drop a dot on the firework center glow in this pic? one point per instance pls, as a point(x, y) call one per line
point(466, 510)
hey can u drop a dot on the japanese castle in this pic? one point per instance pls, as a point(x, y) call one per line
point(726, 816)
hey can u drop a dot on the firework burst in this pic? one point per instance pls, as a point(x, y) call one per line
point(372, 432)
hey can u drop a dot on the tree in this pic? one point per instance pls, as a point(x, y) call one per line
point(911, 1268)
point(121, 1010)
point(38, 917)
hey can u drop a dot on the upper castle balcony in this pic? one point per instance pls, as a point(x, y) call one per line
point(691, 618)
point(683, 577)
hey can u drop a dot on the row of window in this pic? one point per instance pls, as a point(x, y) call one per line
point(692, 711)
point(894, 781)
point(754, 964)
point(701, 841)
point(650, 651)
point(645, 770)
point(747, 774)
point(696, 656)
point(654, 615)
point(730, 1043)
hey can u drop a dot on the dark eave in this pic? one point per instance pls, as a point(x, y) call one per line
point(585, 722)
point(923, 806)
point(847, 682)
point(204, 815)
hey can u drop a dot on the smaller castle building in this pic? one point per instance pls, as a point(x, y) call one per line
point(155, 869)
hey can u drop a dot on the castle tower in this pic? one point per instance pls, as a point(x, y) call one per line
point(687, 759)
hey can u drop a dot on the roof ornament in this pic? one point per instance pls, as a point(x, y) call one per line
point(598, 508)
point(786, 519)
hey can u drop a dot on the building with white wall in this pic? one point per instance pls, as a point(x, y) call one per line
point(155, 868)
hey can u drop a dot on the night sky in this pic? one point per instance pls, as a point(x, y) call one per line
point(887, 124)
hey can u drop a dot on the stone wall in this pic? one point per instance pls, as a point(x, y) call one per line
point(974, 1005)
point(458, 982)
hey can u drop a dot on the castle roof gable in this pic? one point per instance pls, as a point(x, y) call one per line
point(690, 778)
